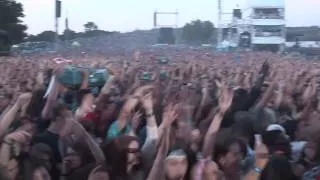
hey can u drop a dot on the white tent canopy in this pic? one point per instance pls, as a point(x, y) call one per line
point(75, 44)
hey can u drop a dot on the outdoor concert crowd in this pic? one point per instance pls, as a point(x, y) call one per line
point(161, 114)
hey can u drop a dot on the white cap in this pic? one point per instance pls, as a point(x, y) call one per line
point(276, 127)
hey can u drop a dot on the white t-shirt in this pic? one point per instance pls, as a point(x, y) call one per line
point(296, 149)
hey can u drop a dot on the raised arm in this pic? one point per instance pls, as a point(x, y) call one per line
point(168, 117)
point(52, 97)
point(91, 143)
point(224, 104)
point(85, 81)
point(10, 115)
point(152, 128)
point(280, 95)
point(130, 104)
point(157, 170)
point(261, 159)
point(14, 140)
point(204, 100)
point(266, 96)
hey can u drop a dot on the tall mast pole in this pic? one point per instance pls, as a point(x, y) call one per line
point(219, 38)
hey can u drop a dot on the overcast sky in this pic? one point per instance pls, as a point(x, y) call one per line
point(128, 15)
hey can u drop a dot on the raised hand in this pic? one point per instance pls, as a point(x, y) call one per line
point(261, 152)
point(225, 99)
point(20, 137)
point(169, 115)
point(147, 101)
point(24, 99)
point(142, 90)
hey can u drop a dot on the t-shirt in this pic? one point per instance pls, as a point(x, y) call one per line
point(296, 149)
point(313, 174)
point(115, 131)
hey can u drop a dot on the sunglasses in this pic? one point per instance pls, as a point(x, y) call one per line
point(133, 150)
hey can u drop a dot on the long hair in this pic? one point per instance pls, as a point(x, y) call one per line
point(36, 104)
point(223, 142)
point(191, 158)
point(278, 168)
point(3, 173)
point(277, 142)
point(116, 152)
point(82, 173)
point(31, 162)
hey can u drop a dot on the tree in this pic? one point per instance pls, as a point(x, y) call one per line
point(90, 26)
point(10, 14)
point(198, 31)
point(68, 35)
point(48, 36)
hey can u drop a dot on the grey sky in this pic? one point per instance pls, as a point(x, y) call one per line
point(128, 15)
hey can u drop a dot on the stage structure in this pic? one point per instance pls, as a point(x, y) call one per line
point(260, 25)
point(230, 26)
point(57, 16)
point(268, 24)
point(166, 32)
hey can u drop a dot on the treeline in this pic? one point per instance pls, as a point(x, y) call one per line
point(311, 33)
point(195, 32)
point(49, 36)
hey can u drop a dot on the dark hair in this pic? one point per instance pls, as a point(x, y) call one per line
point(191, 158)
point(277, 142)
point(3, 173)
point(87, 163)
point(115, 152)
point(68, 97)
point(31, 162)
point(278, 168)
point(291, 127)
point(82, 173)
point(239, 100)
point(81, 94)
point(244, 128)
point(243, 125)
point(223, 142)
point(36, 104)
point(58, 108)
point(8, 95)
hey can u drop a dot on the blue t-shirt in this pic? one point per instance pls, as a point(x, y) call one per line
point(114, 130)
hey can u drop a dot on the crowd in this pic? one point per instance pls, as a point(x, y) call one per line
point(162, 114)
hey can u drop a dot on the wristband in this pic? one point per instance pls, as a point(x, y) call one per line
point(257, 170)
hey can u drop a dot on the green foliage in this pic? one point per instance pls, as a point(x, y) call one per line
point(68, 35)
point(10, 14)
point(90, 26)
point(48, 36)
point(311, 33)
point(198, 31)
